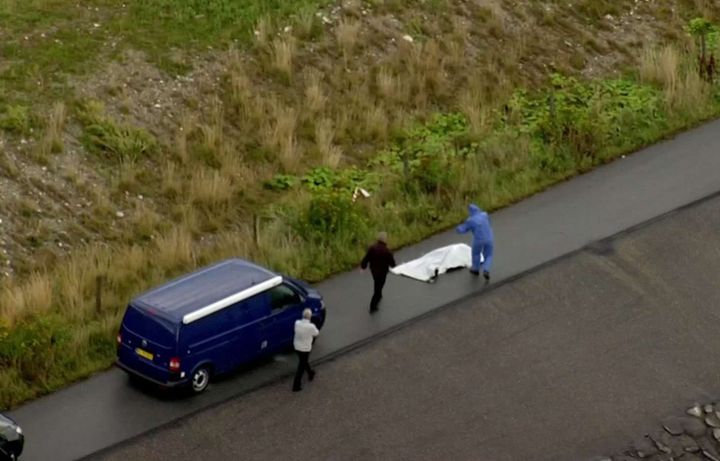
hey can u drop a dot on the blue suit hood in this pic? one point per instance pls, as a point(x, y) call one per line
point(478, 222)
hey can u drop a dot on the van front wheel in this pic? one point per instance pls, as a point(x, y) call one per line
point(200, 379)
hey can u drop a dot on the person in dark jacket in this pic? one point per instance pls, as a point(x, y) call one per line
point(380, 259)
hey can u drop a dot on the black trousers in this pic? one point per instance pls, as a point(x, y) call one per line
point(379, 283)
point(303, 366)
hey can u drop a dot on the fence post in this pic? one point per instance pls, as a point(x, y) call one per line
point(98, 293)
point(256, 230)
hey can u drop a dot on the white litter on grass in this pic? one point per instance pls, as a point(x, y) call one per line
point(358, 192)
point(437, 262)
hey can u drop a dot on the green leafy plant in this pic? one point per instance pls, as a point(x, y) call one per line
point(281, 182)
point(31, 345)
point(17, 119)
point(331, 213)
point(323, 179)
point(582, 118)
point(707, 35)
point(113, 140)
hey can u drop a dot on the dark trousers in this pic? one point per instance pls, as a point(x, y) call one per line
point(303, 366)
point(379, 283)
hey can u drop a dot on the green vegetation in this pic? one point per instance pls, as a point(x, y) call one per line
point(118, 142)
point(17, 119)
point(258, 149)
point(175, 23)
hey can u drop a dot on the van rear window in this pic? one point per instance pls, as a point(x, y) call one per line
point(148, 326)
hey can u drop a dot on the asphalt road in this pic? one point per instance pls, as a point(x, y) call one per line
point(568, 362)
point(105, 410)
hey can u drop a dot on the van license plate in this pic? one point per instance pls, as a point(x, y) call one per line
point(144, 353)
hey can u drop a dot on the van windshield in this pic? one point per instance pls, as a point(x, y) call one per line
point(150, 327)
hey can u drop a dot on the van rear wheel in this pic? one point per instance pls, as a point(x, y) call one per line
point(200, 379)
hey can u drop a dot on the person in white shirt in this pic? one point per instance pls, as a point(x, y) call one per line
point(305, 333)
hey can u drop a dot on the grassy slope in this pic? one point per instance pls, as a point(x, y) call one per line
point(181, 137)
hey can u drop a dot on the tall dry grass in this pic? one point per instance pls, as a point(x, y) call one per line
point(264, 30)
point(386, 83)
point(280, 135)
point(477, 111)
point(209, 187)
point(126, 177)
point(330, 153)
point(171, 180)
point(144, 221)
point(683, 88)
point(661, 66)
point(31, 297)
point(376, 123)
point(184, 130)
point(315, 97)
point(188, 217)
point(432, 67)
point(76, 282)
point(692, 94)
point(305, 23)
point(282, 55)
point(8, 164)
point(52, 139)
point(423, 72)
point(132, 262)
point(347, 35)
point(281, 247)
point(174, 250)
point(240, 85)
point(496, 23)
point(213, 132)
point(238, 243)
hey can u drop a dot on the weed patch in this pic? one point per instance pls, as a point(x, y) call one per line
point(113, 140)
point(17, 119)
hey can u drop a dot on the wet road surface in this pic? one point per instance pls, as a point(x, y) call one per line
point(568, 362)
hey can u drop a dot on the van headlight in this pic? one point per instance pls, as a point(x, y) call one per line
point(322, 304)
point(18, 430)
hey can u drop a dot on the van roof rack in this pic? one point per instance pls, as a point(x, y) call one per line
point(232, 299)
point(207, 290)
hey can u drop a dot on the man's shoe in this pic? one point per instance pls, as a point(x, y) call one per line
point(311, 375)
point(297, 389)
point(373, 310)
point(474, 272)
point(486, 274)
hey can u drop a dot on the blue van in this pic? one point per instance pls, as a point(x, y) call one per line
point(211, 321)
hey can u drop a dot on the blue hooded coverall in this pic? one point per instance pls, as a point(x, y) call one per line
point(478, 222)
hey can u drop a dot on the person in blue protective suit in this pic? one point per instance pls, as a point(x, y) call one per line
point(478, 222)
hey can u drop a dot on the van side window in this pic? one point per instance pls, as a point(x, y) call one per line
point(283, 296)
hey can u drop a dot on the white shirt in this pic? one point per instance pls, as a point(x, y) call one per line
point(305, 331)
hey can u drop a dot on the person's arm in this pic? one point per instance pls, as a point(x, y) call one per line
point(463, 228)
point(315, 330)
point(365, 260)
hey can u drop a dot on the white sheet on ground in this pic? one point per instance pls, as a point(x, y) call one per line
point(436, 262)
